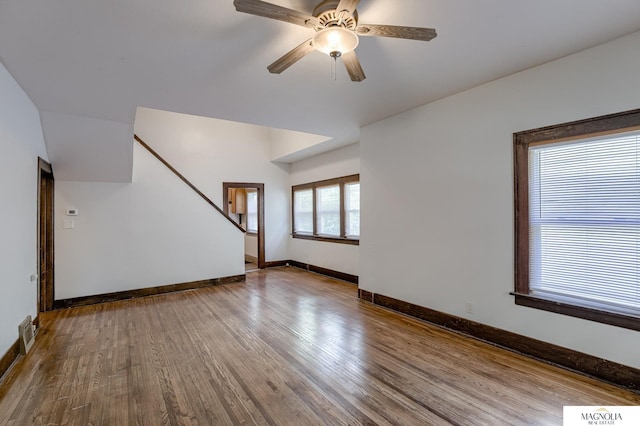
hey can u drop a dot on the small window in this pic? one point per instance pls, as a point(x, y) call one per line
point(328, 210)
point(352, 209)
point(578, 219)
point(252, 211)
point(303, 211)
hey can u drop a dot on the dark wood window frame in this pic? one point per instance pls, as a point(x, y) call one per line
point(608, 124)
point(341, 181)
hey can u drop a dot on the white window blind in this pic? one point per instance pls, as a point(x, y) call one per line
point(252, 211)
point(352, 209)
point(328, 210)
point(303, 211)
point(584, 222)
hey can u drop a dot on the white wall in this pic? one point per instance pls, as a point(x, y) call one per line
point(88, 149)
point(251, 245)
point(209, 152)
point(285, 143)
point(443, 235)
point(154, 231)
point(21, 143)
point(337, 163)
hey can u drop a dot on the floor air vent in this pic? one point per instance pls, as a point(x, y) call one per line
point(25, 331)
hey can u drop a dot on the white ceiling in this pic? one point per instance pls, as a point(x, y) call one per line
point(88, 61)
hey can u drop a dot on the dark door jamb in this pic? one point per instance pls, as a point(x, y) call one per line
point(46, 287)
point(225, 207)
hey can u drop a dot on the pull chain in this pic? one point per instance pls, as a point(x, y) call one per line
point(334, 55)
point(333, 68)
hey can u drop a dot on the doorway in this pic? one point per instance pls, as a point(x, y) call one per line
point(45, 237)
point(244, 203)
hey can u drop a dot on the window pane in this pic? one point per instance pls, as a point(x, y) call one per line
point(252, 211)
point(352, 209)
point(328, 210)
point(584, 222)
point(303, 211)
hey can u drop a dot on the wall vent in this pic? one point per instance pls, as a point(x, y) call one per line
point(27, 338)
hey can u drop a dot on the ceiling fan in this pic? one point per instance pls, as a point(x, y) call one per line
point(336, 28)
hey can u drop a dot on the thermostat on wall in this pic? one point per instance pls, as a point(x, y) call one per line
point(72, 212)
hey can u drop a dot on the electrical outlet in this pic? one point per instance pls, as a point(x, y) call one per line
point(469, 307)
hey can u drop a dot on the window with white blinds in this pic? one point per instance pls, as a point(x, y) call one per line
point(577, 219)
point(584, 222)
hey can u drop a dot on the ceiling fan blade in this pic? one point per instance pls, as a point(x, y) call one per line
point(348, 6)
point(291, 57)
point(413, 33)
point(273, 11)
point(353, 66)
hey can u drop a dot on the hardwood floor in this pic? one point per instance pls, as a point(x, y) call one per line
point(286, 348)
point(250, 266)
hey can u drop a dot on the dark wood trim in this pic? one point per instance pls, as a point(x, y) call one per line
point(365, 295)
point(324, 271)
point(9, 357)
point(618, 374)
point(225, 202)
point(521, 216)
point(312, 268)
point(44, 165)
point(602, 124)
point(343, 215)
point(185, 180)
point(276, 263)
point(314, 212)
point(36, 321)
point(349, 241)
point(292, 211)
point(328, 182)
point(618, 320)
point(45, 243)
point(144, 292)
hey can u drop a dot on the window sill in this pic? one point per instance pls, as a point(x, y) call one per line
point(618, 320)
point(338, 240)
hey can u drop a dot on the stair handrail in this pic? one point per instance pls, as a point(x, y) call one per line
point(185, 180)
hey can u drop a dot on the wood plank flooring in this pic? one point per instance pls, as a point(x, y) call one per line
point(285, 348)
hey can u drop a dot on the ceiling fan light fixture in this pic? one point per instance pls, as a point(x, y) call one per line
point(335, 41)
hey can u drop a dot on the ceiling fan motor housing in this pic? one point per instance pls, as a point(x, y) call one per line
point(330, 17)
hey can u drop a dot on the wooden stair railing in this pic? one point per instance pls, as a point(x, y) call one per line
point(185, 180)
